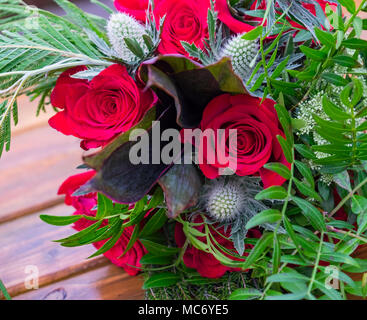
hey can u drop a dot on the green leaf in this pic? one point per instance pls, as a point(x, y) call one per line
point(305, 151)
point(157, 199)
point(160, 280)
point(305, 172)
point(111, 242)
point(253, 34)
point(273, 192)
point(132, 240)
point(342, 179)
point(276, 254)
point(306, 190)
point(349, 5)
point(244, 294)
point(77, 237)
point(339, 257)
point(313, 54)
point(290, 232)
point(354, 43)
point(266, 216)
point(346, 61)
point(4, 291)
point(287, 149)
point(134, 47)
point(60, 221)
point(334, 79)
point(155, 223)
point(158, 249)
point(287, 277)
point(325, 38)
point(158, 260)
point(359, 204)
point(261, 245)
point(279, 168)
point(105, 206)
point(333, 111)
point(287, 296)
point(311, 213)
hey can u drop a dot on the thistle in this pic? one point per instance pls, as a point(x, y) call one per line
point(121, 26)
point(224, 201)
point(242, 52)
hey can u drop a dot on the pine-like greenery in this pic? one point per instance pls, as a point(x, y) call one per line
point(35, 46)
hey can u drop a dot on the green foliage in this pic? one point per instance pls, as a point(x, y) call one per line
point(39, 45)
point(4, 291)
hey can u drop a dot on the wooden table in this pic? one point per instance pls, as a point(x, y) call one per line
point(39, 161)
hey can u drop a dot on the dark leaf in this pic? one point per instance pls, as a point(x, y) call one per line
point(181, 186)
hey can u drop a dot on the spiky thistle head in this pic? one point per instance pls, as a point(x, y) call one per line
point(242, 52)
point(121, 26)
point(224, 200)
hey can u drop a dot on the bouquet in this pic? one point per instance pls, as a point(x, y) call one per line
point(225, 146)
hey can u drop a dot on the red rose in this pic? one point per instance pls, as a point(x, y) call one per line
point(98, 110)
point(205, 263)
point(256, 126)
point(185, 21)
point(84, 205)
point(135, 8)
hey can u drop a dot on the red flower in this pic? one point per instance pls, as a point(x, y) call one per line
point(98, 110)
point(135, 8)
point(185, 21)
point(205, 263)
point(256, 126)
point(84, 205)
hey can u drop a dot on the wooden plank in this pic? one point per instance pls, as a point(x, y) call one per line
point(105, 283)
point(361, 253)
point(27, 241)
point(31, 173)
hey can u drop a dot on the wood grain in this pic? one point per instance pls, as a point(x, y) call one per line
point(31, 173)
point(106, 283)
point(28, 242)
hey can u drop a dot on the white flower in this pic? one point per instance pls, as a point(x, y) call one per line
point(121, 26)
point(242, 53)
